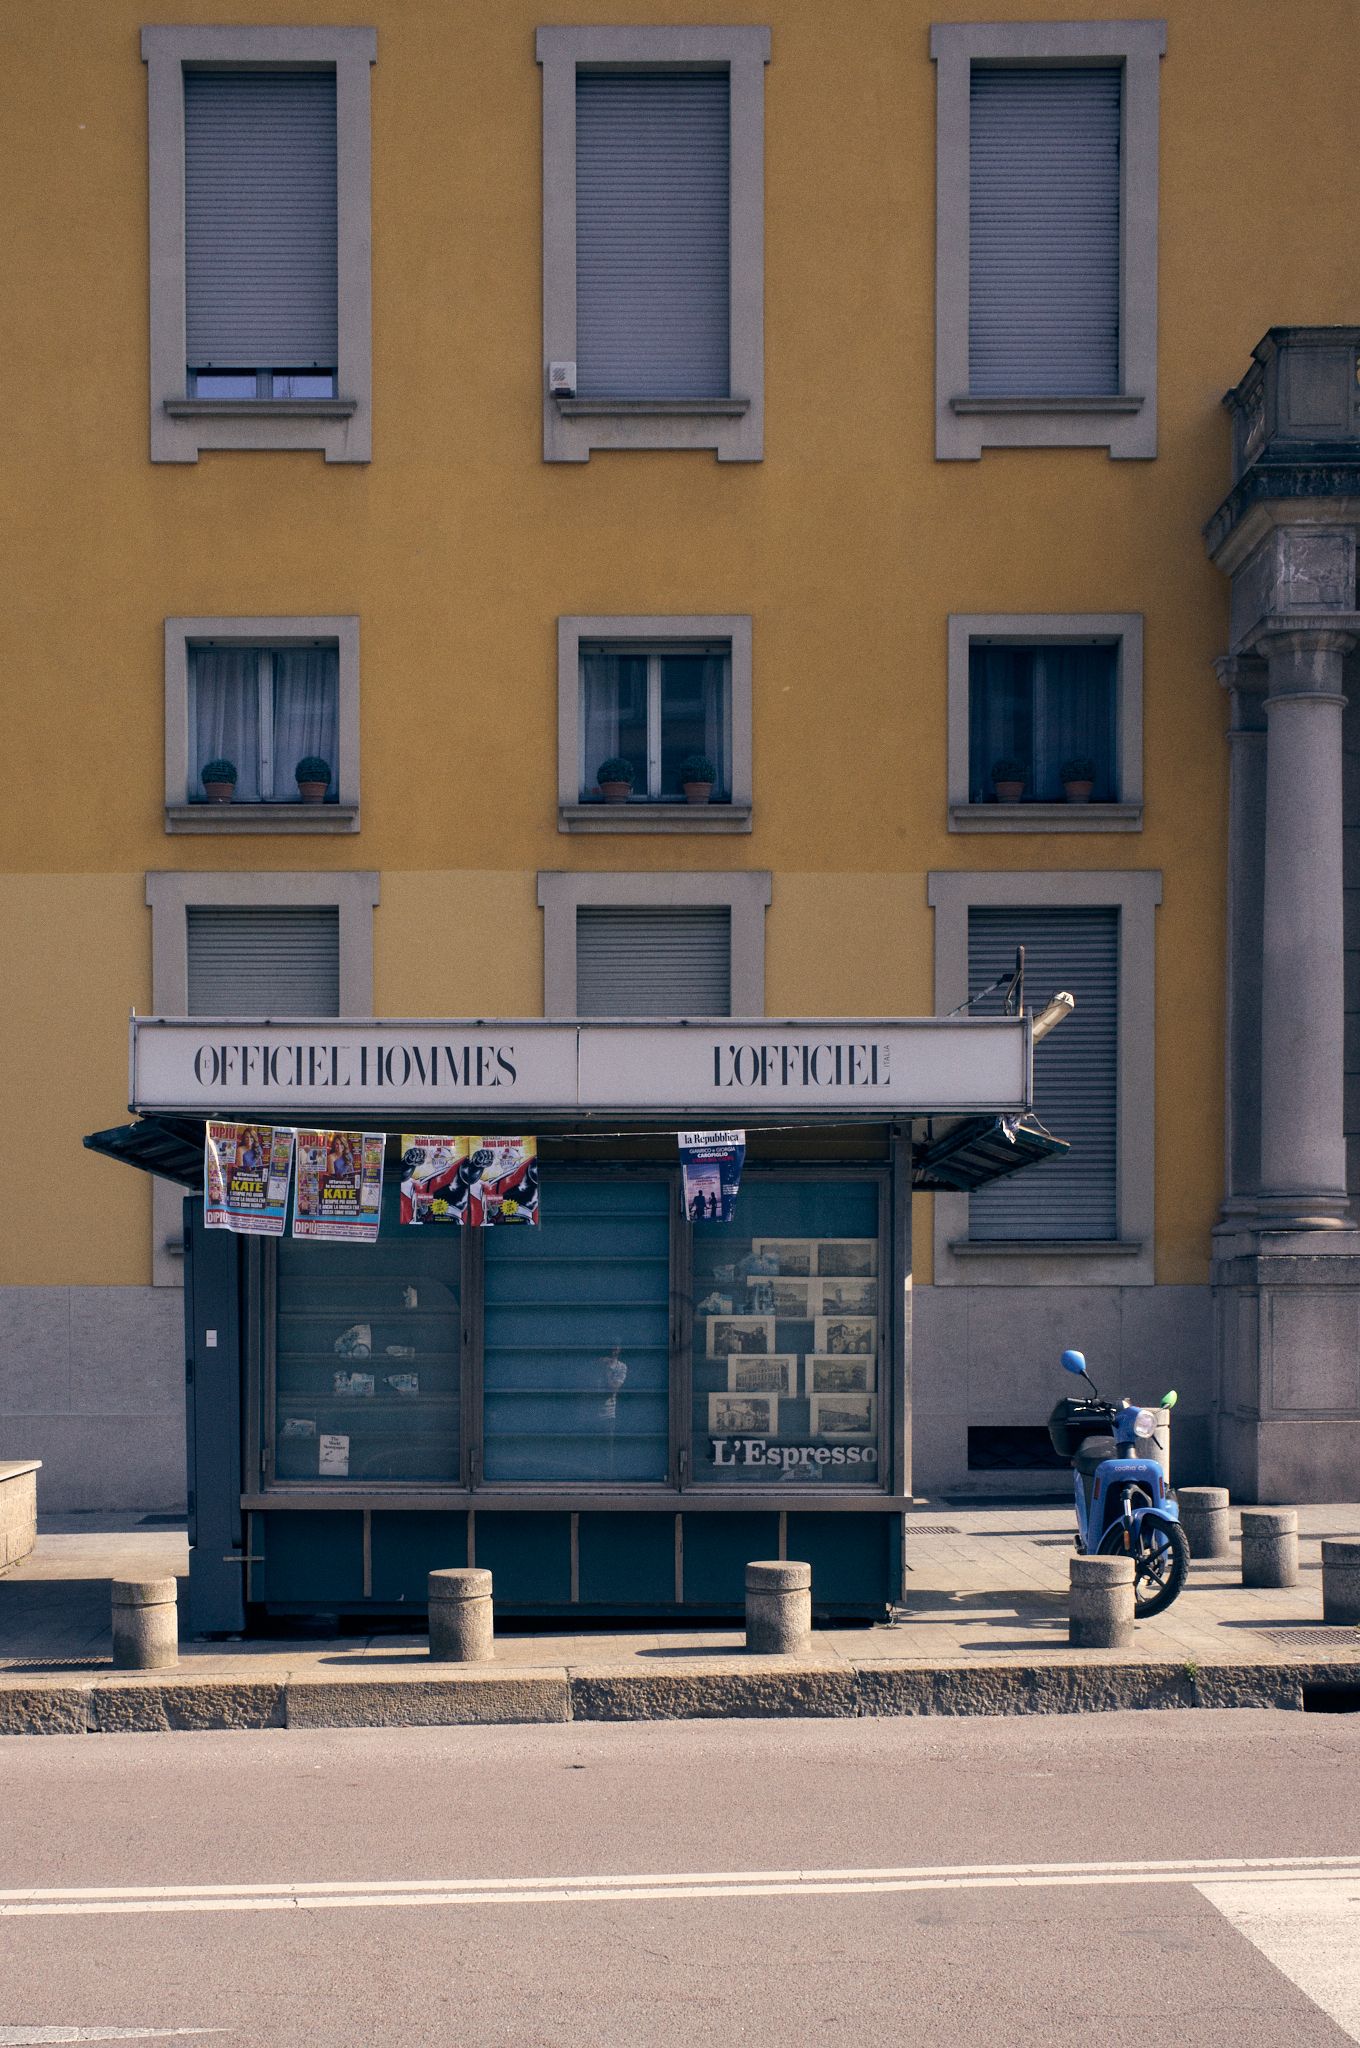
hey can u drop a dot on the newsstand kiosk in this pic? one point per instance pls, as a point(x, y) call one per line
point(615, 1409)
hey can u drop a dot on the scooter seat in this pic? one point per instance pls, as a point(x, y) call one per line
point(1093, 1451)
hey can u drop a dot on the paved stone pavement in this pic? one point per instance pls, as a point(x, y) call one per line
point(986, 1588)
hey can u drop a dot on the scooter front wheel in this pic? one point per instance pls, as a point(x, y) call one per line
point(1161, 1564)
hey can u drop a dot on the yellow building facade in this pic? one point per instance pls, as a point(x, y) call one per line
point(849, 527)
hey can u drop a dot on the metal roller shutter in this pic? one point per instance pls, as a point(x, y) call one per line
point(1044, 232)
point(250, 962)
point(260, 219)
point(653, 962)
point(1075, 1071)
point(652, 234)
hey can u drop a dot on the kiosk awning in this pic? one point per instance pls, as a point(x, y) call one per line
point(982, 1149)
point(169, 1146)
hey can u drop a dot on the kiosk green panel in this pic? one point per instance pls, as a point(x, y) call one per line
point(311, 1560)
point(626, 1560)
point(528, 1556)
point(405, 1549)
point(852, 1559)
point(718, 1548)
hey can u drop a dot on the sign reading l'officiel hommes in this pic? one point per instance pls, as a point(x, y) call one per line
point(901, 1066)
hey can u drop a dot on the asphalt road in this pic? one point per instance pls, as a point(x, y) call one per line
point(725, 1882)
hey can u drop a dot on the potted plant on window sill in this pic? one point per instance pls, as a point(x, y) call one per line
point(1078, 779)
point(697, 777)
point(615, 778)
point(219, 781)
point(313, 778)
point(1008, 781)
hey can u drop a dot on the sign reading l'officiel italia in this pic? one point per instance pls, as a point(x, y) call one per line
point(901, 1066)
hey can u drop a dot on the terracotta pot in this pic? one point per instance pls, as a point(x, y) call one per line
point(219, 792)
point(1009, 792)
point(313, 792)
point(1078, 792)
point(697, 792)
point(616, 792)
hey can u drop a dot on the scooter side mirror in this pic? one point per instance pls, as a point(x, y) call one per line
point(1169, 1400)
point(1072, 1361)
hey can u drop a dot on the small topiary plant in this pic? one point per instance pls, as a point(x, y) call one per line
point(697, 768)
point(311, 768)
point(615, 769)
point(1081, 768)
point(219, 771)
point(1008, 771)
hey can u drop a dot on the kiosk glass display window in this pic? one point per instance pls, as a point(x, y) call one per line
point(576, 1337)
point(789, 1353)
point(367, 1357)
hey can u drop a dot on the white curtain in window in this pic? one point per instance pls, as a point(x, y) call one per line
point(305, 715)
point(224, 717)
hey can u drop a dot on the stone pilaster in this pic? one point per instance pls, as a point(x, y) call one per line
point(1244, 678)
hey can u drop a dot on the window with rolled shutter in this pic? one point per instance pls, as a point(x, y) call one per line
point(248, 961)
point(652, 234)
point(1075, 1071)
point(260, 219)
point(1044, 231)
point(650, 961)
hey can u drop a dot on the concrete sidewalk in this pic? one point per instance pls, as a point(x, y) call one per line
point(984, 1630)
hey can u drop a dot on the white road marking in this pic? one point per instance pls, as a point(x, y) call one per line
point(1309, 1930)
point(31, 2037)
point(373, 1893)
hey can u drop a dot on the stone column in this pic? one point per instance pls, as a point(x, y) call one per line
point(1244, 678)
point(1303, 1150)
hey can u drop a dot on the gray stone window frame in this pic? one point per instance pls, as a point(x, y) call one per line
point(743, 892)
point(338, 630)
point(734, 427)
point(575, 816)
point(1128, 1260)
point(1025, 629)
point(1126, 422)
point(182, 426)
point(169, 894)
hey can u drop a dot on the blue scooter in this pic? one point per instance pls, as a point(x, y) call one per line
point(1121, 1498)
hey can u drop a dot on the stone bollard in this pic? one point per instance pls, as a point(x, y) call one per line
point(145, 1624)
point(461, 1618)
point(778, 1608)
point(1100, 1603)
point(1204, 1518)
point(1341, 1578)
point(1270, 1547)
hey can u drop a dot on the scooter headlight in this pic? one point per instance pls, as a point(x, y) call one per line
point(1145, 1423)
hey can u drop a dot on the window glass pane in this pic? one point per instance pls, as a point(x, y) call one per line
point(693, 718)
point(1075, 707)
point(576, 1360)
point(368, 1356)
point(303, 384)
point(224, 717)
point(789, 1339)
point(613, 716)
point(306, 713)
point(1042, 709)
point(225, 384)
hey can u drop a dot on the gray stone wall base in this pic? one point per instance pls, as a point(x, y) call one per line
point(92, 1383)
point(1287, 1373)
point(989, 1355)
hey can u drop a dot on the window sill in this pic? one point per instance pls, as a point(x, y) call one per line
point(1046, 1248)
point(261, 408)
point(652, 408)
point(266, 818)
point(1112, 402)
point(1040, 817)
point(692, 818)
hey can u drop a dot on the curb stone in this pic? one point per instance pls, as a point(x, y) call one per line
point(128, 1704)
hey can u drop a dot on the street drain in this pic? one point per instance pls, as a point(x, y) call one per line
point(1319, 1637)
point(1331, 1699)
point(56, 1664)
point(931, 1528)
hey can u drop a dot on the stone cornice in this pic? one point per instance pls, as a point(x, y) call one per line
point(1328, 474)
